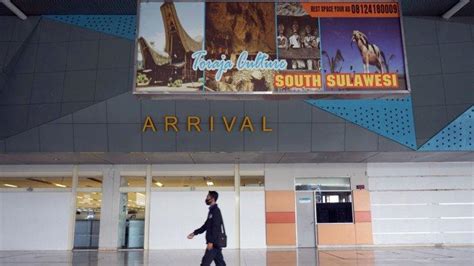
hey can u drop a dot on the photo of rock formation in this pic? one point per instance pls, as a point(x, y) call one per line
point(234, 27)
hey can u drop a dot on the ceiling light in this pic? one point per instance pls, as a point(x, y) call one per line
point(8, 185)
point(159, 184)
point(455, 9)
point(59, 185)
point(210, 183)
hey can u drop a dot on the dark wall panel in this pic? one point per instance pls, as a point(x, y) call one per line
point(441, 64)
point(53, 69)
point(86, 91)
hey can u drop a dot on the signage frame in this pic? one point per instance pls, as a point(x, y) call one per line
point(275, 95)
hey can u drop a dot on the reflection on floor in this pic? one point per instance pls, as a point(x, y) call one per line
point(249, 257)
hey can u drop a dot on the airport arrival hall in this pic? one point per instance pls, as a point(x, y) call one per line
point(148, 132)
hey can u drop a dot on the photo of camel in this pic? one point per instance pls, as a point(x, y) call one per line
point(363, 45)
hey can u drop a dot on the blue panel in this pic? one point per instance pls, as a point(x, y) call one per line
point(121, 26)
point(391, 118)
point(457, 136)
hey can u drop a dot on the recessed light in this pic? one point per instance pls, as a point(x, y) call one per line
point(8, 185)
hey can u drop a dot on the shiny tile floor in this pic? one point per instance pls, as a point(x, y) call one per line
point(363, 257)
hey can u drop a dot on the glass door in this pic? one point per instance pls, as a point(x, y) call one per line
point(88, 211)
point(132, 219)
point(132, 212)
point(87, 228)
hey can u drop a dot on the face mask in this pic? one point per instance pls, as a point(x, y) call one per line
point(208, 201)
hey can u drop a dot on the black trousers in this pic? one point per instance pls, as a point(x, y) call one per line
point(215, 255)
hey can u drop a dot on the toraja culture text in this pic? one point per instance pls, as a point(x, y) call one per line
point(195, 123)
point(261, 62)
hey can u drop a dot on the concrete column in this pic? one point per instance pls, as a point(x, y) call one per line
point(147, 206)
point(72, 218)
point(237, 204)
point(109, 219)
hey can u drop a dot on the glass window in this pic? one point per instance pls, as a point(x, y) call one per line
point(133, 181)
point(333, 198)
point(252, 181)
point(89, 182)
point(89, 200)
point(323, 184)
point(334, 207)
point(193, 181)
point(35, 182)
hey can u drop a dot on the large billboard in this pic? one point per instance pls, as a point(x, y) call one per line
point(209, 48)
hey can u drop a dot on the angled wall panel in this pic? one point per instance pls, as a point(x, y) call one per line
point(457, 136)
point(118, 25)
point(391, 118)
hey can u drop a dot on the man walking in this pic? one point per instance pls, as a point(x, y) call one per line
point(214, 233)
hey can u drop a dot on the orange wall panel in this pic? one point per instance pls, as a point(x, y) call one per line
point(280, 201)
point(363, 217)
point(361, 200)
point(281, 234)
point(280, 217)
point(364, 233)
point(336, 234)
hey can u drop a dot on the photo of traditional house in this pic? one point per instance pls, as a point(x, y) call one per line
point(164, 61)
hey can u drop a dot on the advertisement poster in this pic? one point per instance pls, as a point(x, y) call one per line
point(270, 48)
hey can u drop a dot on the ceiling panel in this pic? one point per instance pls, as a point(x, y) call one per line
point(327, 157)
point(224, 158)
point(129, 7)
point(236, 157)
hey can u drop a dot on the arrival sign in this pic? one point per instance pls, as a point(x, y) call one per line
point(208, 48)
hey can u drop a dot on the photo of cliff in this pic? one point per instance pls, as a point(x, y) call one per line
point(232, 28)
point(235, 27)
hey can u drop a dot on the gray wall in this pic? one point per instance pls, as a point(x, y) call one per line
point(52, 69)
point(109, 127)
point(74, 96)
point(441, 62)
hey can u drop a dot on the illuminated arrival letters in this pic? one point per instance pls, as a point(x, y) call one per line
point(195, 123)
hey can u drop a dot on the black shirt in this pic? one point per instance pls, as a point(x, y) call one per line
point(212, 226)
